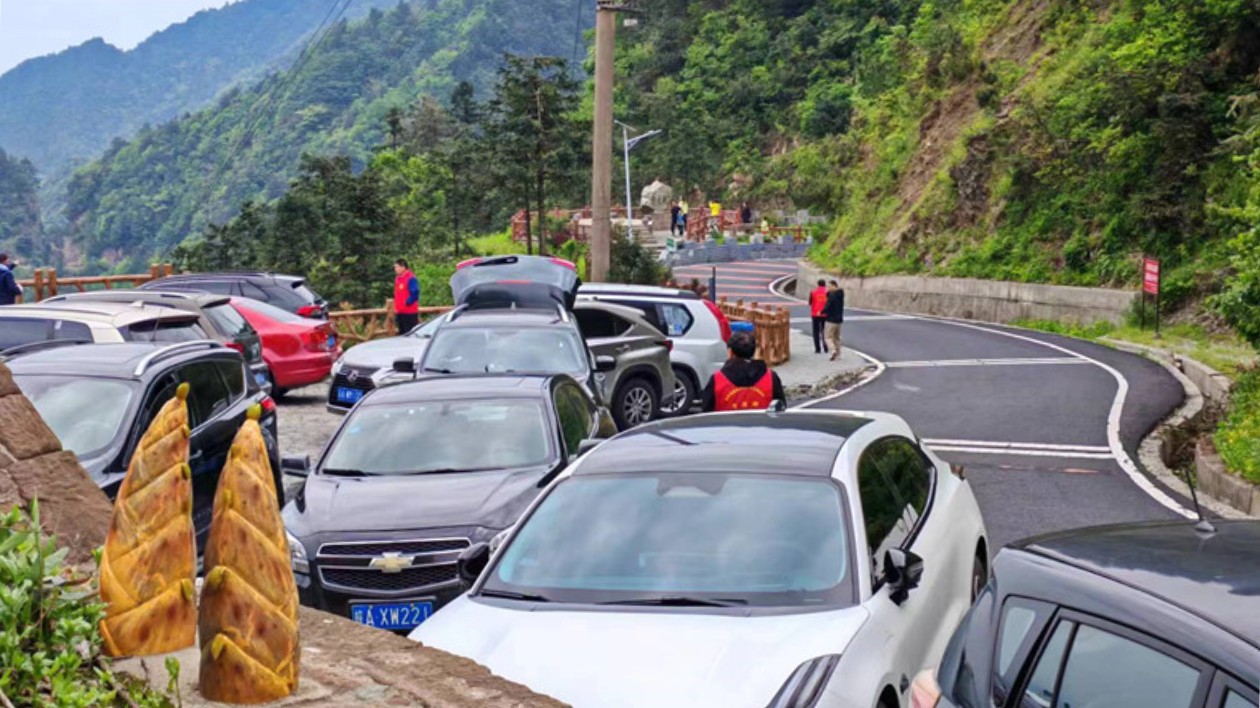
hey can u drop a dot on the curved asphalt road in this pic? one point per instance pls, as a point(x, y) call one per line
point(1047, 427)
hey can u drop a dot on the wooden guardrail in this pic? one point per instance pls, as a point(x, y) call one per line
point(772, 325)
point(46, 284)
point(358, 326)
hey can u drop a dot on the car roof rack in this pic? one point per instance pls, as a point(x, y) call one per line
point(172, 350)
point(41, 345)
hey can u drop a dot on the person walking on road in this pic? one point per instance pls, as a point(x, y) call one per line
point(817, 303)
point(10, 291)
point(406, 297)
point(675, 221)
point(744, 383)
point(833, 313)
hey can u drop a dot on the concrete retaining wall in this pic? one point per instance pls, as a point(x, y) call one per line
point(984, 300)
point(710, 252)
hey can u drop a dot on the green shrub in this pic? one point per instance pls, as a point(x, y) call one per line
point(633, 264)
point(50, 645)
point(1238, 437)
point(1239, 301)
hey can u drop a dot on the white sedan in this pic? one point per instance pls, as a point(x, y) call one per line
point(791, 559)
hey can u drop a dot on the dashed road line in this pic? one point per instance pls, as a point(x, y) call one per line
point(931, 364)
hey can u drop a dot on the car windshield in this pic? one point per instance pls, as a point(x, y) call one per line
point(537, 350)
point(158, 331)
point(441, 436)
point(228, 321)
point(61, 401)
point(271, 312)
point(745, 540)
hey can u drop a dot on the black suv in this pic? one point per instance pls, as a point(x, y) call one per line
point(100, 398)
point(417, 473)
point(216, 316)
point(287, 292)
point(1135, 616)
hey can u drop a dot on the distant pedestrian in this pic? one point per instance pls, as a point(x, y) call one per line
point(745, 214)
point(683, 209)
point(744, 383)
point(817, 303)
point(406, 297)
point(675, 219)
point(833, 312)
point(10, 291)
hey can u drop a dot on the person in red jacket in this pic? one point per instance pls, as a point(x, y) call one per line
point(744, 383)
point(818, 301)
point(406, 297)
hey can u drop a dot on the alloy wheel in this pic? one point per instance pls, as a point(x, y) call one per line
point(638, 406)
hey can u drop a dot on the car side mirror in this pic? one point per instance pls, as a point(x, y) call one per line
point(405, 366)
point(471, 563)
point(605, 364)
point(902, 571)
point(296, 466)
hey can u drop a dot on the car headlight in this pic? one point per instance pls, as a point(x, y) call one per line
point(336, 367)
point(805, 686)
point(297, 554)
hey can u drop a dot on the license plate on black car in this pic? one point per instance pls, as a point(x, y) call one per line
point(261, 379)
point(391, 615)
point(348, 395)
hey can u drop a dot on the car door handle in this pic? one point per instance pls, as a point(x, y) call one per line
point(194, 457)
point(623, 348)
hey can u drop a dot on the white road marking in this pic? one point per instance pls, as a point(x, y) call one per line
point(984, 362)
point(1024, 453)
point(905, 386)
point(1016, 445)
point(856, 318)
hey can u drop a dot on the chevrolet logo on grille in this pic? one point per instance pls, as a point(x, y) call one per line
point(391, 562)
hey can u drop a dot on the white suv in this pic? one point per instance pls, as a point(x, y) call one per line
point(697, 327)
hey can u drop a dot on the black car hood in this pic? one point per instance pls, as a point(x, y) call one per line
point(349, 504)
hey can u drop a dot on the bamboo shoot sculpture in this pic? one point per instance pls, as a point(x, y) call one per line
point(249, 633)
point(150, 556)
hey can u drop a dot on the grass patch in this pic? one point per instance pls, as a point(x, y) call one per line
point(1238, 437)
point(1225, 352)
point(1096, 330)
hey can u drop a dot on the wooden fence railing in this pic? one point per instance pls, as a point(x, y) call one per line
point(46, 284)
point(772, 325)
point(358, 326)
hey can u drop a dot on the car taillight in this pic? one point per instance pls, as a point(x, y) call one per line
point(268, 404)
point(667, 343)
point(925, 692)
point(723, 323)
point(310, 311)
point(469, 262)
point(563, 262)
point(317, 340)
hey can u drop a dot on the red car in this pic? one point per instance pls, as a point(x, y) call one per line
point(298, 350)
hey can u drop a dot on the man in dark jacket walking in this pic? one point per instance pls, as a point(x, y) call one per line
point(744, 383)
point(833, 312)
point(10, 291)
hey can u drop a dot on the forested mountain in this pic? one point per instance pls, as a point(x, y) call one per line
point(171, 181)
point(67, 107)
point(20, 228)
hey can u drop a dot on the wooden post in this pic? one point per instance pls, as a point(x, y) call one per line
point(39, 284)
point(167, 270)
point(52, 282)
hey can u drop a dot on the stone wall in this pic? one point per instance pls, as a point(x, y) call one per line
point(984, 300)
point(693, 253)
point(33, 466)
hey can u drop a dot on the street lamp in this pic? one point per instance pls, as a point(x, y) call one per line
point(629, 144)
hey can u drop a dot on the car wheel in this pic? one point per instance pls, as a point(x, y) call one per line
point(684, 394)
point(979, 574)
point(635, 404)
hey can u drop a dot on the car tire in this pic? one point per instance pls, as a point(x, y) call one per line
point(979, 573)
point(635, 403)
point(685, 387)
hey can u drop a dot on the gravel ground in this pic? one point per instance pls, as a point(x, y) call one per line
point(304, 426)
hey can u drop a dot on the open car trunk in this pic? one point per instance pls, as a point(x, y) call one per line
point(515, 281)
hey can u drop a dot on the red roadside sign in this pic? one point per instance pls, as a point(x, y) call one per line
point(1150, 276)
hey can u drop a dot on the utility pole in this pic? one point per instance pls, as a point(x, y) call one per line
point(601, 144)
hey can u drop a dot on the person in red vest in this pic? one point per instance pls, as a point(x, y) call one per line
point(406, 297)
point(818, 301)
point(744, 383)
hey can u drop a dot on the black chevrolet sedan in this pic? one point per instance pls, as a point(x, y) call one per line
point(1160, 615)
point(417, 473)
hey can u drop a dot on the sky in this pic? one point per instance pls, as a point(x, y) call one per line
point(32, 28)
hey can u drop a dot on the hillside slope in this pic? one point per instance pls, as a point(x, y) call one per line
point(148, 195)
point(21, 229)
point(65, 108)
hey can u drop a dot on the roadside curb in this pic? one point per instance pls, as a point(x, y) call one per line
point(1150, 451)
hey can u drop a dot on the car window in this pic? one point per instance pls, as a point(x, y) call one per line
point(1105, 670)
point(61, 401)
point(1233, 700)
point(894, 480)
point(233, 377)
point(575, 416)
point(1039, 693)
point(254, 292)
point(677, 320)
point(14, 332)
point(72, 330)
point(272, 312)
point(598, 324)
point(155, 331)
point(208, 394)
point(646, 308)
point(228, 321)
point(491, 350)
point(1021, 623)
point(216, 287)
